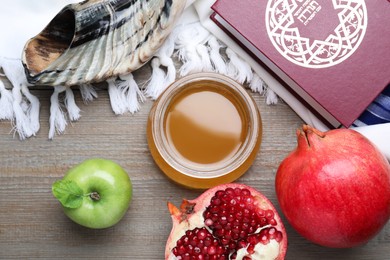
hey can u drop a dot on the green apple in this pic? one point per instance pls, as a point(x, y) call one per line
point(95, 194)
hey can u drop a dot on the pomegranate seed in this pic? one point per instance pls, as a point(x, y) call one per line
point(219, 193)
point(238, 216)
point(263, 222)
point(251, 230)
point(279, 236)
point(220, 250)
point(179, 243)
point(229, 191)
point(202, 234)
point(181, 250)
point(253, 223)
point(214, 209)
point(241, 244)
point(249, 200)
point(233, 202)
point(236, 229)
point(228, 227)
point(197, 250)
point(250, 249)
point(235, 236)
point(260, 213)
point(232, 245)
point(269, 214)
point(208, 222)
point(217, 202)
point(245, 192)
point(252, 240)
point(228, 234)
point(223, 220)
point(218, 228)
point(264, 240)
point(245, 226)
point(219, 232)
point(225, 241)
point(212, 250)
point(272, 222)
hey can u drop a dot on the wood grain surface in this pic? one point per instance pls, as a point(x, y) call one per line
point(33, 226)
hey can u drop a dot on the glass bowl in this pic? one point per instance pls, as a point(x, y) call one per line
point(205, 129)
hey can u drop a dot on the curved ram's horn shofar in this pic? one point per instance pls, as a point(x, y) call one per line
point(98, 39)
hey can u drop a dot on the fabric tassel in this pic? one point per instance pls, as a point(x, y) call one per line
point(189, 38)
point(203, 53)
point(134, 95)
point(57, 116)
point(21, 121)
point(32, 111)
point(216, 58)
point(125, 94)
point(258, 85)
point(6, 111)
point(271, 97)
point(171, 73)
point(160, 78)
point(156, 83)
point(238, 69)
point(70, 104)
point(88, 92)
point(165, 57)
point(25, 106)
point(117, 100)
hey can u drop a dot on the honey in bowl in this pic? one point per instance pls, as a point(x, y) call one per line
point(205, 129)
point(204, 126)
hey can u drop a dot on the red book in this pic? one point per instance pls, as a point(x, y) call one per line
point(333, 54)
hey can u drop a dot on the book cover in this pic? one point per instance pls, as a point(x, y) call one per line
point(334, 54)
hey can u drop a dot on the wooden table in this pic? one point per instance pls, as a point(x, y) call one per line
point(32, 224)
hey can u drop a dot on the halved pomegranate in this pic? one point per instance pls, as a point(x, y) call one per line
point(229, 221)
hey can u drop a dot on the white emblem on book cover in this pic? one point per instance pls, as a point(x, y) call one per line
point(284, 18)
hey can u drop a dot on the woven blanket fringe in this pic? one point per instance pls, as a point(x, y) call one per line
point(19, 105)
point(192, 44)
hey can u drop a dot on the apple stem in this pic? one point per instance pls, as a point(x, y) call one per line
point(94, 196)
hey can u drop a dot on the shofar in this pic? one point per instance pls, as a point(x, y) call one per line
point(94, 40)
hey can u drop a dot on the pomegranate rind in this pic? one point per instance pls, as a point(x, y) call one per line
point(334, 189)
point(182, 221)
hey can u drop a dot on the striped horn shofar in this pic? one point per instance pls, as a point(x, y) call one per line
point(94, 40)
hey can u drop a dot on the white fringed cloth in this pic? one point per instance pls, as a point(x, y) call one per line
point(190, 43)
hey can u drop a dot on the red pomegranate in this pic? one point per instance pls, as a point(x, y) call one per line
point(229, 221)
point(334, 189)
